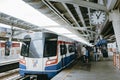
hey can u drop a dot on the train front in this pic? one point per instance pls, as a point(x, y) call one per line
point(36, 51)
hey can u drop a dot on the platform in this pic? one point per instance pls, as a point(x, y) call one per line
point(102, 70)
point(7, 61)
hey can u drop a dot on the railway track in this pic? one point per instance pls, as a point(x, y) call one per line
point(14, 75)
point(9, 74)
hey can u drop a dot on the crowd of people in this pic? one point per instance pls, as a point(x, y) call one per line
point(93, 53)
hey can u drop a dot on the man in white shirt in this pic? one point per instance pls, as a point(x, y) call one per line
point(84, 53)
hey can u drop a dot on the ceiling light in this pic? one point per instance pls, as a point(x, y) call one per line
point(4, 25)
point(59, 30)
point(23, 11)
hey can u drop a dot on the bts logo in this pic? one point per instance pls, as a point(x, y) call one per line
point(35, 62)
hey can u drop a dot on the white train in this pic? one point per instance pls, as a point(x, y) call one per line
point(12, 56)
point(45, 53)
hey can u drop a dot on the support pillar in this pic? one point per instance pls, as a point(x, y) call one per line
point(115, 17)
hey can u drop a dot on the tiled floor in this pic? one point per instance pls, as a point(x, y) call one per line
point(102, 70)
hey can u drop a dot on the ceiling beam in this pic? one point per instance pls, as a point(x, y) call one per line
point(111, 4)
point(84, 4)
point(40, 6)
point(72, 15)
point(81, 17)
point(9, 20)
point(56, 11)
point(89, 20)
point(84, 29)
point(36, 5)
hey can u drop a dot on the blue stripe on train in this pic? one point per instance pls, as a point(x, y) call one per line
point(72, 57)
point(66, 60)
point(21, 66)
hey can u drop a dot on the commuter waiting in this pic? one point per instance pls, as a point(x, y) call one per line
point(83, 54)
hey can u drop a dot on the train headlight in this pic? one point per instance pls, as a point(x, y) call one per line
point(51, 62)
point(22, 61)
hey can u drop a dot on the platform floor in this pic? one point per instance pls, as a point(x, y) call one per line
point(102, 70)
point(6, 61)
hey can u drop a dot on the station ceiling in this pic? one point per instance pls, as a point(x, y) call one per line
point(75, 13)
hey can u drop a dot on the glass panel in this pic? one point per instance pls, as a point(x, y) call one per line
point(71, 48)
point(50, 48)
point(36, 49)
point(63, 49)
point(25, 47)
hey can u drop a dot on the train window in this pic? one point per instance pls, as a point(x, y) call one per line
point(63, 49)
point(25, 47)
point(71, 48)
point(36, 48)
point(50, 47)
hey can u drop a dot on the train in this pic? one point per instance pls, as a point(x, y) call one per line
point(45, 53)
point(10, 48)
point(10, 55)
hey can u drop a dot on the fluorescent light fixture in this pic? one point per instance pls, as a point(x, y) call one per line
point(4, 25)
point(59, 30)
point(23, 11)
point(70, 35)
point(76, 38)
point(9, 27)
point(79, 39)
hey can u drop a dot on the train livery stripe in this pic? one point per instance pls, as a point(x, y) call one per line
point(52, 61)
point(60, 42)
point(22, 61)
point(13, 44)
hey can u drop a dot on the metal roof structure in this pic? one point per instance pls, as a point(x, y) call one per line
point(74, 13)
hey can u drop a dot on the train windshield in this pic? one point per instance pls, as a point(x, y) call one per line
point(25, 47)
point(32, 48)
point(50, 47)
point(36, 49)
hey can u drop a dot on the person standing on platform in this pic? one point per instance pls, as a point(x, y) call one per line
point(104, 52)
point(87, 54)
point(84, 54)
point(95, 53)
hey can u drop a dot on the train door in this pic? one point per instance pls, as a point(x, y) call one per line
point(63, 51)
point(71, 49)
point(25, 47)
